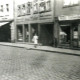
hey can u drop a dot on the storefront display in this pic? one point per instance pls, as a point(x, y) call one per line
point(26, 33)
point(20, 33)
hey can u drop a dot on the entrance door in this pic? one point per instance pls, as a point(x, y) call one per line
point(64, 36)
point(34, 29)
point(46, 34)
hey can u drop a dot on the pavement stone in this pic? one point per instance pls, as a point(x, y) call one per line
point(22, 64)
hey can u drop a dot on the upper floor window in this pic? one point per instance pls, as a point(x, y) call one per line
point(42, 6)
point(45, 5)
point(19, 10)
point(48, 5)
point(70, 2)
point(7, 7)
point(1, 8)
point(35, 6)
point(29, 6)
point(23, 9)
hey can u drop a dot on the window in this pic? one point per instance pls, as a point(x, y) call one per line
point(70, 2)
point(19, 10)
point(1, 8)
point(7, 7)
point(23, 9)
point(42, 6)
point(45, 5)
point(29, 6)
point(48, 5)
point(35, 8)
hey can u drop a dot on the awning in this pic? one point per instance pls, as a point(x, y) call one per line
point(3, 23)
point(63, 33)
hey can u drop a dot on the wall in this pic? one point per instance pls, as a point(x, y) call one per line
point(61, 10)
point(6, 10)
point(7, 14)
point(39, 17)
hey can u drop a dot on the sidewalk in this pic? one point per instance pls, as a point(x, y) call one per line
point(43, 48)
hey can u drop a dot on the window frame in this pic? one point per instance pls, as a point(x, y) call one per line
point(1, 8)
point(28, 8)
point(7, 7)
point(19, 10)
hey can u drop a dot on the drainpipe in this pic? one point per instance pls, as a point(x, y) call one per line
point(55, 26)
point(54, 23)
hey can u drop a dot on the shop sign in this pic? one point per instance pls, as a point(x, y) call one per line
point(69, 17)
point(19, 20)
point(6, 17)
point(45, 16)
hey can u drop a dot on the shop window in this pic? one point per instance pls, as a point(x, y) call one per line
point(19, 10)
point(23, 9)
point(75, 33)
point(75, 36)
point(65, 35)
point(1, 8)
point(70, 2)
point(29, 6)
point(26, 33)
point(7, 7)
point(20, 33)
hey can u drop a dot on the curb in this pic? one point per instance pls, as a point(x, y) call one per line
point(56, 52)
point(41, 49)
point(12, 45)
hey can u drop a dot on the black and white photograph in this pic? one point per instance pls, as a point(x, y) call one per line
point(39, 39)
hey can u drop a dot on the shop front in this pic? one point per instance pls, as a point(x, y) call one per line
point(65, 35)
point(25, 33)
point(69, 34)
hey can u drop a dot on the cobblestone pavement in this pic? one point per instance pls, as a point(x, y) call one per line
point(22, 64)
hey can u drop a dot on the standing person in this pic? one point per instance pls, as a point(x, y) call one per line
point(35, 40)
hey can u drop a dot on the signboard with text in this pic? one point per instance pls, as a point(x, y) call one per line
point(68, 17)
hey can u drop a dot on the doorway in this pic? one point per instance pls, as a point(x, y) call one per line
point(5, 33)
point(34, 30)
point(19, 33)
point(46, 34)
point(65, 35)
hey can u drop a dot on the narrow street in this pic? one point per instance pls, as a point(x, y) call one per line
point(22, 64)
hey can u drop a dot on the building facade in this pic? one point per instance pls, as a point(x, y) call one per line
point(35, 17)
point(6, 21)
point(68, 20)
point(56, 22)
